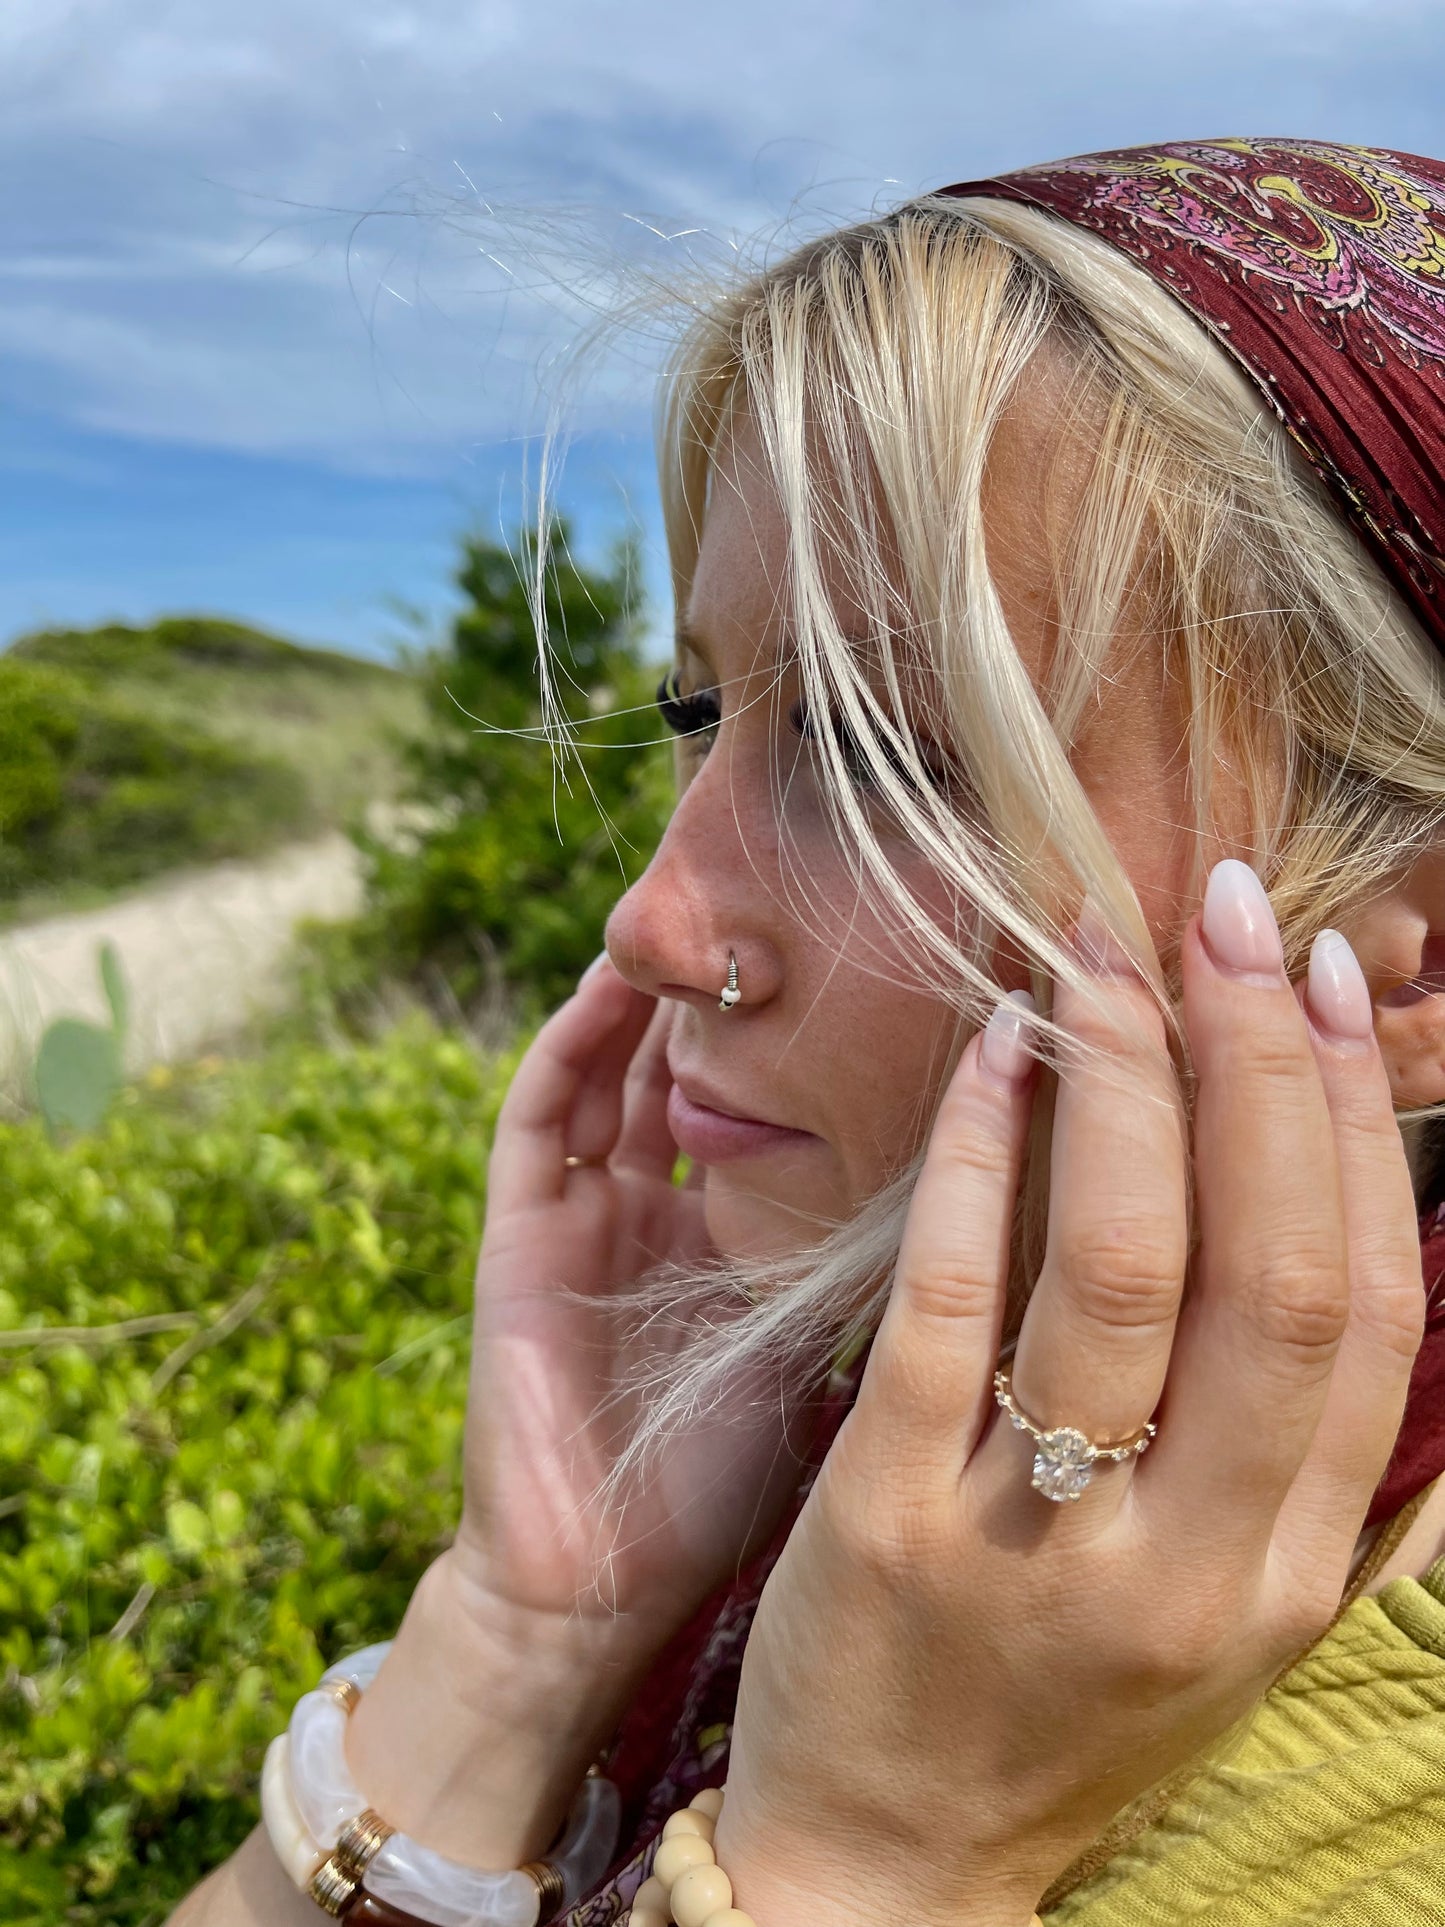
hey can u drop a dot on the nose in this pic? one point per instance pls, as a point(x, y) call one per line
point(710, 890)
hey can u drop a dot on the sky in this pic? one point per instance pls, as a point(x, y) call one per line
point(292, 294)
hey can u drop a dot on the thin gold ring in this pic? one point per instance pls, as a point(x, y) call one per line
point(1064, 1459)
point(585, 1164)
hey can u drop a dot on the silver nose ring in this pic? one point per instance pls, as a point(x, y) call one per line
point(731, 994)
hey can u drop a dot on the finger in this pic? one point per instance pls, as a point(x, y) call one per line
point(566, 1097)
point(1258, 1336)
point(1094, 1346)
point(1371, 1375)
point(927, 1388)
point(645, 1142)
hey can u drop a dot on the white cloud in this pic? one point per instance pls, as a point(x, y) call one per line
point(252, 229)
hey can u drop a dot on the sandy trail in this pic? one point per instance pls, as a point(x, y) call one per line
point(200, 951)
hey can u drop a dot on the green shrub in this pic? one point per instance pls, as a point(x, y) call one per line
point(508, 884)
point(242, 1466)
point(174, 643)
point(93, 788)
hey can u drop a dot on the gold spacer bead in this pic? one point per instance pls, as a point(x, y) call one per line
point(361, 1840)
point(546, 1877)
point(345, 1692)
point(332, 1888)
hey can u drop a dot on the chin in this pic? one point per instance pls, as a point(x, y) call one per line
point(762, 1215)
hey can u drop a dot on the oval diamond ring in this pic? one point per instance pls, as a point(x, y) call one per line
point(1064, 1459)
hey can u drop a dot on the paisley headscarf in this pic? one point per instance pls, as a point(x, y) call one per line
point(1321, 270)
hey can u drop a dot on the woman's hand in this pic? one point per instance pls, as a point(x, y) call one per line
point(524, 1643)
point(953, 1684)
point(543, 1419)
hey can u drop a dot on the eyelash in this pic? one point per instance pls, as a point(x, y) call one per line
point(695, 712)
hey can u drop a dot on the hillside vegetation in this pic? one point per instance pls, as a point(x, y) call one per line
point(128, 752)
point(235, 1316)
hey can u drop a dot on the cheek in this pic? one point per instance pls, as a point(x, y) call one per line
point(897, 1056)
point(880, 1047)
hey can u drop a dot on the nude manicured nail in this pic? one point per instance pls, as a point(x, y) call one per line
point(1005, 1050)
point(1239, 924)
point(1339, 997)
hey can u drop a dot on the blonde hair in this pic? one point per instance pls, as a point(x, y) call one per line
point(875, 365)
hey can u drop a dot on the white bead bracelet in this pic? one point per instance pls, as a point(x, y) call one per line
point(309, 1801)
point(687, 1888)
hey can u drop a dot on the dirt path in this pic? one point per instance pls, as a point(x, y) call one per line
point(200, 952)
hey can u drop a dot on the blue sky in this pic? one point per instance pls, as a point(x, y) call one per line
point(289, 292)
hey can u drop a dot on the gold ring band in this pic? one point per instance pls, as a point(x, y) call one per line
point(1064, 1459)
point(585, 1164)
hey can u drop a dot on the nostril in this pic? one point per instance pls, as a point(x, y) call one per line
point(1403, 996)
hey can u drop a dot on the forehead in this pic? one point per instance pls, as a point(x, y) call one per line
point(740, 606)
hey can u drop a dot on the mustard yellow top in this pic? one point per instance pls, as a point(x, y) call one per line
point(1327, 1807)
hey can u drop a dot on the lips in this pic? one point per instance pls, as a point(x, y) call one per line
point(705, 1098)
point(705, 1128)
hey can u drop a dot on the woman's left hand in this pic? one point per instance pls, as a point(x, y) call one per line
point(952, 1684)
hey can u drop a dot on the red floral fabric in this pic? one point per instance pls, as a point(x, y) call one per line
point(1321, 269)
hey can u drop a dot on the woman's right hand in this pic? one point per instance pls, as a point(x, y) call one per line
point(527, 1639)
point(544, 1416)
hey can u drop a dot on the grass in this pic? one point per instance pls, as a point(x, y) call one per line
point(274, 709)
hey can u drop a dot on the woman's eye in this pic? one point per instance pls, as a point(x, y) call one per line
point(857, 762)
point(696, 713)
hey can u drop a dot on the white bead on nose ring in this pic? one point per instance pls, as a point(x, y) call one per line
point(731, 994)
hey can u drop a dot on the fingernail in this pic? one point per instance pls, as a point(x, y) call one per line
point(1004, 1049)
point(593, 968)
point(1336, 989)
point(1239, 924)
point(1096, 945)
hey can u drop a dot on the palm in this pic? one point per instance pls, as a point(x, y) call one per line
point(549, 1403)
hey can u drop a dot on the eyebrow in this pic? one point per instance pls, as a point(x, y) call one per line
point(691, 642)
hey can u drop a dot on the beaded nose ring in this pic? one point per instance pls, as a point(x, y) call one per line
point(731, 994)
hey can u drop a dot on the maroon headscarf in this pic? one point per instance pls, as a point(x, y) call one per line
point(1321, 270)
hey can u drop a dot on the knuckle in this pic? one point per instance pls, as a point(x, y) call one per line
point(1268, 1051)
point(1391, 1306)
point(1124, 1275)
point(942, 1288)
point(1175, 1657)
point(967, 1139)
point(1117, 1015)
point(1301, 1309)
point(884, 1527)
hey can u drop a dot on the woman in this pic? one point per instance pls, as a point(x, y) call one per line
point(1055, 558)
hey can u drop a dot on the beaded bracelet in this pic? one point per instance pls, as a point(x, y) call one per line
point(345, 1857)
point(686, 1885)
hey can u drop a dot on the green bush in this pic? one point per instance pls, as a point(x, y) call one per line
point(242, 1464)
point(170, 646)
point(94, 788)
point(508, 883)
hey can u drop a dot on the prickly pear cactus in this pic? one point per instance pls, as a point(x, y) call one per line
point(80, 1066)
